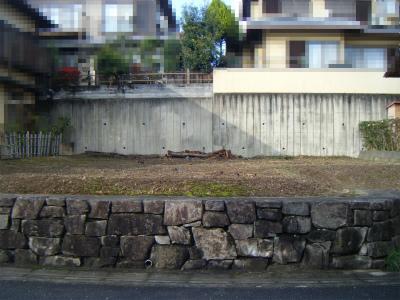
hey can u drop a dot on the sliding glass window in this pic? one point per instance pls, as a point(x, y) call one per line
point(322, 54)
point(366, 58)
point(118, 18)
point(68, 17)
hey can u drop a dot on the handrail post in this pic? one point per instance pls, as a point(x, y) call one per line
point(187, 76)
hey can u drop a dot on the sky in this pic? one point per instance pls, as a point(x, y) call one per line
point(178, 5)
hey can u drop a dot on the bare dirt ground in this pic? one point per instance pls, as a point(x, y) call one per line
point(301, 176)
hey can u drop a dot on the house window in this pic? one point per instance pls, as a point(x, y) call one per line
point(322, 54)
point(272, 6)
point(366, 58)
point(345, 9)
point(297, 51)
point(385, 7)
point(363, 10)
point(295, 8)
point(54, 14)
point(118, 18)
point(66, 16)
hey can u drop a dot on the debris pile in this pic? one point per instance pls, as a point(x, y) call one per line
point(223, 153)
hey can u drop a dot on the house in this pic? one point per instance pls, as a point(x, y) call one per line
point(344, 43)
point(305, 73)
point(85, 25)
point(394, 110)
point(24, 65)
point(320, 33)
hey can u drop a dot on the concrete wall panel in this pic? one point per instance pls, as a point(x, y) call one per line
point(248, 124)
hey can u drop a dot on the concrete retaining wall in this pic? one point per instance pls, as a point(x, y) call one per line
point(249, 125)
point(177, 233)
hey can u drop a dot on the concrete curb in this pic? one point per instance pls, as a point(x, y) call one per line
point(289, 278)
point(391, 156)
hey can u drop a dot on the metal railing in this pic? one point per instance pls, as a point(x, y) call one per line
point(129, 80)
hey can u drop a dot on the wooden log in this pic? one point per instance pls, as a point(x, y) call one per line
point(185, 154)
point(227, 154)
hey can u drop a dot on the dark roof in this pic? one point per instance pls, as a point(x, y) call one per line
point(23, 7)
point(166, 9)
point(393, 103)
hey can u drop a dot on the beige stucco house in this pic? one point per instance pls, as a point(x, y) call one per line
point(334, 46)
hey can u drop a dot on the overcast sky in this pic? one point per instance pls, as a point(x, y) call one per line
point(178, 5)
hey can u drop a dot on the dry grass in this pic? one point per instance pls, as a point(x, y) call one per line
point(161, 176)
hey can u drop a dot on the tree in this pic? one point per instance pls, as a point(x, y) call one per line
point(111, 62)
point(172, 55)
point(147, 49)
point(197, 40)
point(223, 26)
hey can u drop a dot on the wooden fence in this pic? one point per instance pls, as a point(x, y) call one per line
point(25, 145)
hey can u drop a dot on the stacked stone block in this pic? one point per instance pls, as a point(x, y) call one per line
point(187, 234)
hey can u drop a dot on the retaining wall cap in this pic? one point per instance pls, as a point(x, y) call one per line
point(373, 196)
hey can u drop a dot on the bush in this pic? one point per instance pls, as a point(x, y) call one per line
point(393, 261)
point(60, 125)
point(381, 135)
point(111, 62)
point(45, 124)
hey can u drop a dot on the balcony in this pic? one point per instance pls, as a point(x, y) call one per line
point(321, 81)
point(326, 14)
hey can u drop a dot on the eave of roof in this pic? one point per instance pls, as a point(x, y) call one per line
point(397, 102)
point(23, 7)
point(384, 30)
point(301, 23)
point(317, 23)
point(12, 82)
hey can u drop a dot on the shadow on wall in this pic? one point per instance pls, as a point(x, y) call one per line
point(247, 124)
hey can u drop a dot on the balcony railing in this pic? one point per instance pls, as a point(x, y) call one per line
point(314, 81)
point(126, 82)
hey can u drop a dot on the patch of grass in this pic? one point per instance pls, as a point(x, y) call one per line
point(393, 261)
point(215, 190)
point(93, 186)
point(100, 186)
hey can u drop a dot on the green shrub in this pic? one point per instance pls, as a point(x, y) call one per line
point(111, 61)
point(393, 261)
point(381, 135)
point(60, 125)
point(42, 124)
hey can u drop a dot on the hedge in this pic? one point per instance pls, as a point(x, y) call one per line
point(383, 135)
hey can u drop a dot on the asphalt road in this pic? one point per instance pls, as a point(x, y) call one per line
point(16, 290)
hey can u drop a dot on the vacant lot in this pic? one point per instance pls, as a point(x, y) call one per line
point(162, 176)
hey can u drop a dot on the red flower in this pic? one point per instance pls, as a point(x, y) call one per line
point(69, 75)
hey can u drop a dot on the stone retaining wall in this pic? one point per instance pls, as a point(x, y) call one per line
point(176, 233)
